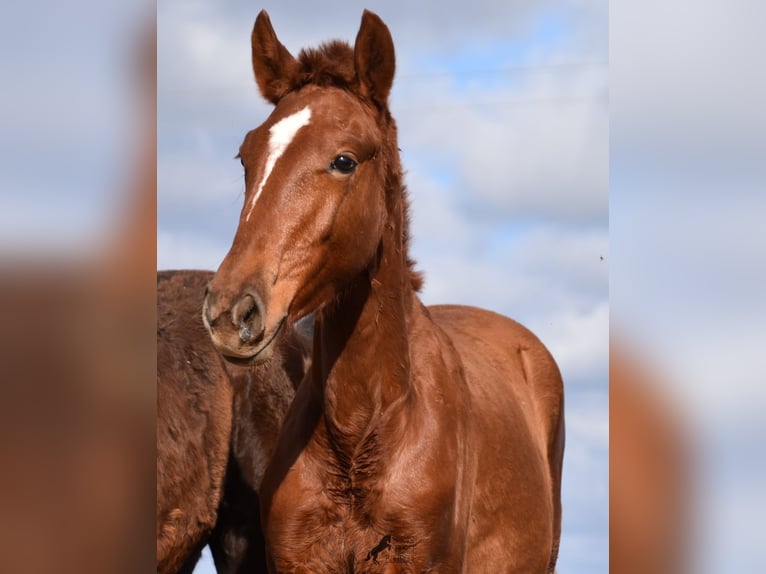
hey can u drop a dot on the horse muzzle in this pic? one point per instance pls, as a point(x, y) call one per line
point(237, 326)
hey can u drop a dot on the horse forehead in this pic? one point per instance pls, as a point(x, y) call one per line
point(282, 132)
point(281, 135)
point(331, 110)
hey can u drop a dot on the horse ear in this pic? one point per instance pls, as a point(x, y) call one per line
point(374, 59)
point(274, 67)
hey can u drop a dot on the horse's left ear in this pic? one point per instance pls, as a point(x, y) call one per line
point(374, 59)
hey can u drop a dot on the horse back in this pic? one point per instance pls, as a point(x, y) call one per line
point(518, 413)
point(194, 422)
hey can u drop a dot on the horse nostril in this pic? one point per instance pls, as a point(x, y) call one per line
point(247, 318)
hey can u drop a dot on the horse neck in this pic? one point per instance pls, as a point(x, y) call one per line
point(361, 343)
point(262, 395)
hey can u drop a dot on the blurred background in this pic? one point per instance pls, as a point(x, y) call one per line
point(687, 274)
point(515, 118)
point(77, 286)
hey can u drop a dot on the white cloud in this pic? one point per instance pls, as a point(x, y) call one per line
point(539, 148)
point(183, 183)
point(530, 275)
point(177, 251)
point(579, 341)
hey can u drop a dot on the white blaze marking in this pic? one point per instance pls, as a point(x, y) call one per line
point(281, 134)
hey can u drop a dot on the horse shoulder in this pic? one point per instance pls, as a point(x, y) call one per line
point(517, 403)
point(501, 355)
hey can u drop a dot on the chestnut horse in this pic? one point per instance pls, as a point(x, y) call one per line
point(423, 440)
point(217, 425)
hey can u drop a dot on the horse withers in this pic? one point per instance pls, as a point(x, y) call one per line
point(424, 440)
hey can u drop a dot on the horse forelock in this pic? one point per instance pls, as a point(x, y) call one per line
point(331, 64)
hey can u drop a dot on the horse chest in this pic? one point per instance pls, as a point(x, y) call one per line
point(348, 547)
point(328, 523)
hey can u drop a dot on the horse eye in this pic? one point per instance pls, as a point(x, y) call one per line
point(343, 164)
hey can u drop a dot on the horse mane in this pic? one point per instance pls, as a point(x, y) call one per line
point(332, 65)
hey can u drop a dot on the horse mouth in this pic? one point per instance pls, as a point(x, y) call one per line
point(259, 353)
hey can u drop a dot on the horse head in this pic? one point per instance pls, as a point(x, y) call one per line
point(316, 173)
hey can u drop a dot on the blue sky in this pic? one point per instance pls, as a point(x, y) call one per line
point(503, 124)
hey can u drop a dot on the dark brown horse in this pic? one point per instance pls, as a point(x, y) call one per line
point(423, 440)
point(217, 424)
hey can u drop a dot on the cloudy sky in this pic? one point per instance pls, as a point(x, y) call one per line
point(502, 110)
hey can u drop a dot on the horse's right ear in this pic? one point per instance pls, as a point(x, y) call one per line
point(274, 67)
